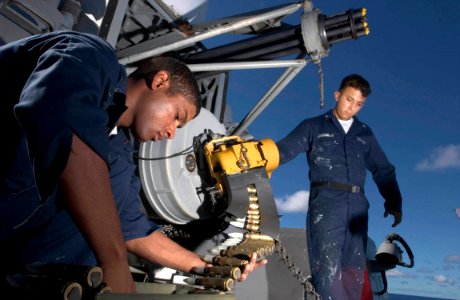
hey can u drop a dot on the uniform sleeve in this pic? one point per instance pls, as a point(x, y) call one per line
point(126, 188)
point(135, 223)
point(384, 175)
point(296, 142)
point(64, 95)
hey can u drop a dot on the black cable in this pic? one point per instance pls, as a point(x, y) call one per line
point(183, 152)
point(394, 236)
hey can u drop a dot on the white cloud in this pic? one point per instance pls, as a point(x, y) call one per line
point(452, 262)
point(452, 259)
point(297, 202)
point(441, 158)
point(394, 273)
point(444, 279)
point(399, 274)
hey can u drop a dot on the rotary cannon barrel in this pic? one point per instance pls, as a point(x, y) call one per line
point(347, 25)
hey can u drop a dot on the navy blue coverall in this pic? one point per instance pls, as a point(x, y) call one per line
point(53, 86)
point(338, 210)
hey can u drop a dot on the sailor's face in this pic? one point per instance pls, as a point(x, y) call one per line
point(160, 116)
point(349, 103)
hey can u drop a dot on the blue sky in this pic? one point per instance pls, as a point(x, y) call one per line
point(412, 60)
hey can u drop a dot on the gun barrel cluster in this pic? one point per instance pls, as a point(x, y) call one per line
point(350, 24)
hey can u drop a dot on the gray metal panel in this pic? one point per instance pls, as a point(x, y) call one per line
point(10, 31)
point(282, 284)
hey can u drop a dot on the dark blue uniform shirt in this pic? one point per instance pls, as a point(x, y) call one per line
point(334, 156)
point(53, 86)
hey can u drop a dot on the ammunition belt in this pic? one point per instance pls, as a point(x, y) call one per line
point(253, 241)
point(238, 255)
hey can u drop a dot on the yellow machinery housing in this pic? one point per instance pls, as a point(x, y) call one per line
point(230, 155)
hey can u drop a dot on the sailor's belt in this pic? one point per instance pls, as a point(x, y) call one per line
point(338, 186)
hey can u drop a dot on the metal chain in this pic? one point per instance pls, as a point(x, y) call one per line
point(321, 82)
point(173, 232)
point(296, 272)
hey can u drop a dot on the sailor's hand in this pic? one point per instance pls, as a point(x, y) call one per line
point(396, 214)
point(253, 264)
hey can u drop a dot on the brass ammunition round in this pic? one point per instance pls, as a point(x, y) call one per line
point(251, 189)
point(259, 237)
point(229, 261)
point(253, 198)
point(253, 221)
point(253, 206)
point(244, 249)
point(246, 253)
point(225, 284)
point(226, 271)
point(73, 291)
point(235, 273)
point(252, 227)
point(94, 276)
point(253, 212)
